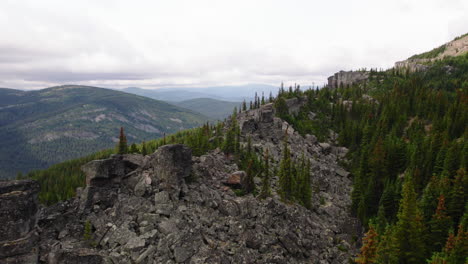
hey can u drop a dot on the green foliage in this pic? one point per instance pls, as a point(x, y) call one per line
point(286, 173)
point(88, 233)
point(122, 147)
point(266, 191)
point(409, 229)
point(44, 127)
point(397, 124)
point(294, 181)
point(59, 182)
point(430, 54)
point(212, 108)
point(368, 252)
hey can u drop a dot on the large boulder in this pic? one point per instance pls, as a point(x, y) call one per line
point(18, 217)
point(110, 171)
point(171, 164)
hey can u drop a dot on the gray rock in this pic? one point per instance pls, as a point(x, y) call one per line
point(18, 216)
point(343, 78)
point(182, 253)
point(172, 164)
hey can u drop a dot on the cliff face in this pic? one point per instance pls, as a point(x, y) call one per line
point(172, 207)
point(457, 47)
point(347, 78)
point(18, 218)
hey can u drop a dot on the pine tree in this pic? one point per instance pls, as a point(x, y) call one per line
point(122, 147)
point(458, 196)
point(248, 184)
point(387, 250)
point(244, 106)
point(265, 192)
point(144, 149)
point(439, 226)
point(133, 148)
point(281, 107)
point(409, 229)
point(368, 252)
point(302, 190)
point(286, 172)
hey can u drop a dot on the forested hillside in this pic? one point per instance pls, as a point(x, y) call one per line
point(215, 109)
point(407, 136)
point(44, 127)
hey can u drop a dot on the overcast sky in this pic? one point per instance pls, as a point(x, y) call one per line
point(151, 44)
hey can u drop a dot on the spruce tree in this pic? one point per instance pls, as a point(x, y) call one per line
point(368, 252)
point(144, 149)
point(458, 196)
point(133, 148)
point(439, 226)
point(122, 147)
point(387, 250)
point(265, 192)
point(248, 184)
point(286, 172)
point(409, 230)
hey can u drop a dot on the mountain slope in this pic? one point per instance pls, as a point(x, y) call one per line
point(180, 204)
point(234, 93)
point(40, 128)
point(454, 48)
point(216, 109)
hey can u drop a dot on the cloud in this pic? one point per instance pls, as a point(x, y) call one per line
point(207, 42)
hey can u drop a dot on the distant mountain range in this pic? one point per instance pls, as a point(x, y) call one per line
point(44, 127)
point(215, 109)
point(226, 93)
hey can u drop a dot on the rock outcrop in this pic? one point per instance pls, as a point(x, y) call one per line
point(18, 217)
point(171, 207)
point(345, 78)
point(456, 47)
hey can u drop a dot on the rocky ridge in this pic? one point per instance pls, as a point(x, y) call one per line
point(344, 78)
point(172, 207)
point(456, 47)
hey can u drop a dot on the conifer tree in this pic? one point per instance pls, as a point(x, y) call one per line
point(122, 147)
point(387, 250)
point(248, 184)
point(458, 195)
point(286, 182)
point(144, 149)
point(439, 226)
point(265, 192)
point(281, 107)
point(133, 148)
point(409, 229)
point(244, 106)
point(368, 252)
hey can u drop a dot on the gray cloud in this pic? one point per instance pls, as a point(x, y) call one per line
point(196, 43)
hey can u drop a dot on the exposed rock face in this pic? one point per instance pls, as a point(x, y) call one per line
point(172, 164)
point(144, 209)
point(412, 65)
point(347, 78)
point(453, 48)
point(18, 216)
